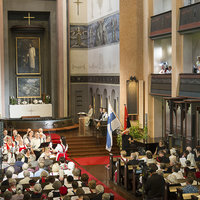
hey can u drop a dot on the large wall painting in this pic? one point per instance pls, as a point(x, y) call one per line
point(102, 32)
point(28, 55)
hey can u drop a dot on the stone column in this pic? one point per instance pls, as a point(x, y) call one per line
point(177, 47)
point(62, 58)
point(148, 65)
point(131, 46)
point(2, 100)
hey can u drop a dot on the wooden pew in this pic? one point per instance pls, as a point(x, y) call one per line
point(111, 168)
point(193, 197)
point(131, 168)
point(188, 196)
point(119, 175)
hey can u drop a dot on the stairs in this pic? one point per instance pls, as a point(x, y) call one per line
point(86, 146)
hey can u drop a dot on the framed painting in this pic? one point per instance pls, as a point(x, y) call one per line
point(28, 87)
point(28, 56)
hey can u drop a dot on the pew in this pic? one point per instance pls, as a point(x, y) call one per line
point(188, 196)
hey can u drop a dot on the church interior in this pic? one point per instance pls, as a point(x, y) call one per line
point(102, 90)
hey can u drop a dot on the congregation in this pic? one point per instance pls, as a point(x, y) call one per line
point(34, 168)
point(156, 171)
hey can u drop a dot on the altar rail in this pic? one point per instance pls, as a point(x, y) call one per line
point(50, 124)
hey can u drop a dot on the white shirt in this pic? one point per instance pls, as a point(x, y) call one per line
point(105, 116)
point(21, 174)
point(36, 144)
point(61, 148)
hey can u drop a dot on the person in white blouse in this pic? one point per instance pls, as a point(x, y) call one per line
point(36, 142)
point(42, 135)
point(61, 149)
point(28, 139)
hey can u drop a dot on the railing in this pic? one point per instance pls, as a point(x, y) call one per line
point(161, 25)
point(161, 84)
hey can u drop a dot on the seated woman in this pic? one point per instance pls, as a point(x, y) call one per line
point(188, 169)
point(61, 149)
point(46, 154)
point(50, 143)
point(29, 155)
point(55, 170)
point(19, 193)
point(133, 159)
point(175, 176)
point(161, 146)
point(12, 185)
point(43, 177)
point(37, 191)
point(29, 138)
point(32, 183)
point(9, 149)
point(55, 193)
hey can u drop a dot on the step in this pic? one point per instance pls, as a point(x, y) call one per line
point(101, 149)
point(82, 154)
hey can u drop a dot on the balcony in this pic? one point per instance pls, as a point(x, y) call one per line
point(190, 18)
point(189, 85)
point(161, 85)
point(161, 25)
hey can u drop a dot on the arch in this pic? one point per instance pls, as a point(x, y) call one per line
point(97, 102)
point(91, 96)
point(113, 100)
point(105, 99)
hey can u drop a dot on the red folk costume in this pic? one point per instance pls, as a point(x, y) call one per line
point(61, 151)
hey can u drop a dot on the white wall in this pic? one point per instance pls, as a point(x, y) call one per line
point(191, 50)
point(162, 53)
point(100, 8)
point(158, 111)
point(83, 10)
point(99, 60)
point(161, 6)
point(188, 2)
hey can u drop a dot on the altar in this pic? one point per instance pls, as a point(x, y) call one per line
point(42, 110)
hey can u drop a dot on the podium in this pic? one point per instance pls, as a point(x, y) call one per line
point(82, 116)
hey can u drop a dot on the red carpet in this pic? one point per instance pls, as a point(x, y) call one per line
point(106, 188)
point(100, 160)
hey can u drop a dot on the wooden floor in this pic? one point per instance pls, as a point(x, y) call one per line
point(99, 171)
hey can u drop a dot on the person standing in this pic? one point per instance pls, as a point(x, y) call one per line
point(155, 184)
point(127, 142)
point(31, 55)
point(89, 117)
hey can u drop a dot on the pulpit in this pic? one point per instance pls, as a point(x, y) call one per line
point(82, 116)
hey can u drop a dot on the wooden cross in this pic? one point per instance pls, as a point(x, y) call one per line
point(78, 2)
point(29, 18)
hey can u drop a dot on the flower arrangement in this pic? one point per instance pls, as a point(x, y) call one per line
point(136, 132)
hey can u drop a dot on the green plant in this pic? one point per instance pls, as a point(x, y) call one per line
point(136, 132)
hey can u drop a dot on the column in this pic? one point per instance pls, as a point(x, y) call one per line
point(131, 46)
point(177, 47)
point(62, 58)
point(148, 64)
point(2, 100)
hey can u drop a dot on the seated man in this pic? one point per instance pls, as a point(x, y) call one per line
point(189, 188)
point(105, 115)
point(155, 184)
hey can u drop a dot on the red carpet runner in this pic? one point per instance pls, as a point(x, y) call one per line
point(107, 189)
point(100, 160)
